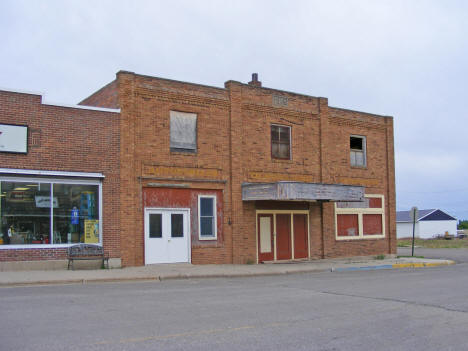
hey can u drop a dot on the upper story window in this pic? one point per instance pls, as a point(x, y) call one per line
point(358, 150)
point(183, 131)
point(280, 142)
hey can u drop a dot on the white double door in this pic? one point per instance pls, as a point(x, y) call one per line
point(167, 235)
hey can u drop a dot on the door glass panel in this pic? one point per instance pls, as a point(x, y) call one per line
point(177, 225)
point(155, 225)
point(265, 234)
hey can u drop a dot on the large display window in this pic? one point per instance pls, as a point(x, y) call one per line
point(49, 212)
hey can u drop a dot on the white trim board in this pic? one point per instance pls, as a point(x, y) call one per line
point(50, 173)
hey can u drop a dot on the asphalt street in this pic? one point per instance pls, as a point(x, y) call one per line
point(405, 309)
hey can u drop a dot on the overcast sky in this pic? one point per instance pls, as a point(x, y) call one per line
point(407, 59)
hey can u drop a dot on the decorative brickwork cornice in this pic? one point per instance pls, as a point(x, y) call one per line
point(279, 111)
point(340, 121)
point(181, 98)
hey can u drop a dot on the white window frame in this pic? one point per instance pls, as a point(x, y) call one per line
point(53, 181)
point(290, 142)
point(215, 215)
point(360, 212)
point(364, 150)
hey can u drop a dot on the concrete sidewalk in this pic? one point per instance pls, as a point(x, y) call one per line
point(184, 270)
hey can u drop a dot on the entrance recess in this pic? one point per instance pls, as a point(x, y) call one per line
point(282, 235)
point(167, 238)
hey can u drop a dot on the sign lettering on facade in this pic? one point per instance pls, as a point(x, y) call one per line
point(277, 177)
point(181, 172)
point(13, 138)
point(359, 181)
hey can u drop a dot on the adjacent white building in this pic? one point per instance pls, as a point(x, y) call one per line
point(430, 223)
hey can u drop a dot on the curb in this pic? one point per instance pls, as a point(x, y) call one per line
point(181, 276)
point(394, 266)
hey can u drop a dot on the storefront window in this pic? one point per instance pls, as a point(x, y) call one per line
point(25, 213)
point(29, 217)
point(77, 216)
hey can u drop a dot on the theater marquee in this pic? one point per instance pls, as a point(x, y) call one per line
point(13, 138)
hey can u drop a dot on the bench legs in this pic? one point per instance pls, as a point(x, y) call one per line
point(105, 261)
point(70, 261)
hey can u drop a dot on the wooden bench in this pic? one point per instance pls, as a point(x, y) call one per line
point(86, 252)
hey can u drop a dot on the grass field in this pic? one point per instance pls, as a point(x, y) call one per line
point(435, 243)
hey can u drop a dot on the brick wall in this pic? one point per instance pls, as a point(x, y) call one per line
point(107, 97)
point(66, 139)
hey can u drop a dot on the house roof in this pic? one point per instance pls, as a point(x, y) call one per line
point(425, 215)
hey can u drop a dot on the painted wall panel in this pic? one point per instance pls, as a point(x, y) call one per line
point(430, 229)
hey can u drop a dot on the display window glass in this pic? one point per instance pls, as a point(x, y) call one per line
point(48, 213)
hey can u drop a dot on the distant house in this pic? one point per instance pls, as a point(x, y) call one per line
point(430, 223)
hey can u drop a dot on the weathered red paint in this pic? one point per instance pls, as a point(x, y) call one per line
point(283, 236)
point(186, 198)
point(375, 202)
point(372, 224)
point(347, 224)
point(300, 236)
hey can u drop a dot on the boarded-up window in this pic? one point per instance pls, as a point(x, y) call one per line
point(372, 224)
point(183, 131)
point(363, 219)
point(375, 202)
point(280, 142)
point(347, 225)
point(368, 202)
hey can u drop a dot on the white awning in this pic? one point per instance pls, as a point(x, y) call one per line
point(34, 172)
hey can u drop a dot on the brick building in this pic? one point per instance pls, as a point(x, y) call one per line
point(70, 155)
point(193, 173)
point(247, 174)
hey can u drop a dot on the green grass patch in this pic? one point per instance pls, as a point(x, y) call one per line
point(435, 243)
point(410, 256)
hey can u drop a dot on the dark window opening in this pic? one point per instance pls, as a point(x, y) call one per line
point(357, 151)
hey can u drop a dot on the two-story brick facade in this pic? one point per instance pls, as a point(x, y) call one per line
point(247, 174)
point(157, 170)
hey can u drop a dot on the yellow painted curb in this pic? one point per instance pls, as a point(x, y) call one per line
point(421, 265)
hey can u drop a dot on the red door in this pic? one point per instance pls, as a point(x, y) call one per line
point(283, 236)
point(300, 236)
point(266, 245)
